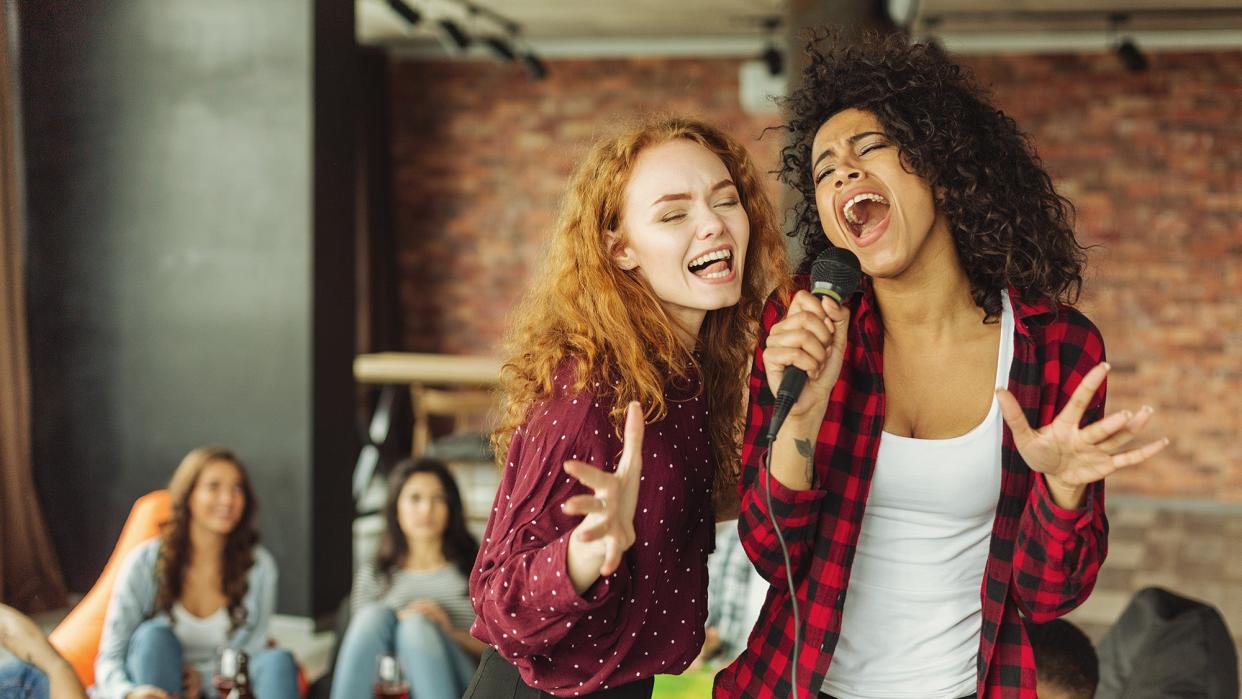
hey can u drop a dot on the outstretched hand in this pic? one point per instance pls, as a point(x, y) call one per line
point(1069, 456)
point(608, 527)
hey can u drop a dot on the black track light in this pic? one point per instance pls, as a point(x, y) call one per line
point(1131, 56)
point(455, 34)
point(534, 67)
point(772, 56)
point(500, 47)
point(407, 13)
point(1128, 51)
point(773, 59)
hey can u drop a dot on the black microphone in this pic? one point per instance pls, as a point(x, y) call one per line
point(836, 274)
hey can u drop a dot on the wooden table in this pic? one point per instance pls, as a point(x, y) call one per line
point(427, 369)
point(464, 382)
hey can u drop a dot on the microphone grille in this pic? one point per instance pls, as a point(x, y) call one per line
point(836, 270)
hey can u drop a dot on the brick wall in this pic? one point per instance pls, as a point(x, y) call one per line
point(1153, 162)
point(481, 157)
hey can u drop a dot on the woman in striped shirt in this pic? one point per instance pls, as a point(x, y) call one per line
point(412, 600)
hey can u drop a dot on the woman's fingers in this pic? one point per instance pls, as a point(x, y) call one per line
point(612, 557)
point(1100, 469)
point(588, 475)
point(583, 505)
point(818, 326)
point(594, 530)
point(1081, 397)
point(1014, 417)
point(801, 339)
point(789, 356)
point(632, 444)
point(805, 336)
point(1127, 434)
point(835, 311)
point(1105, 427)
point(805, 302)
point(1138, 456)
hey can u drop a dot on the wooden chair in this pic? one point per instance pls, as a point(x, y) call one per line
point(469, 409)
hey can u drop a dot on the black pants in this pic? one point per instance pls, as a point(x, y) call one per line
point(497, 679)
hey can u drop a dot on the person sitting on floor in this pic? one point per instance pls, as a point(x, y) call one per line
point(413, 600)
point(1066, 666)
point(203, 584)
point(36, 671)
point(735, 593)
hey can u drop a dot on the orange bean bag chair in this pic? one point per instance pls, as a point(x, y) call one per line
point(77, 637)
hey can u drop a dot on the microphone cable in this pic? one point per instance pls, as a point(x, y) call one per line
point(835, 273)
point(793, 596)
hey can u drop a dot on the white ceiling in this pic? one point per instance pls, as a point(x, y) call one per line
point(1080, 15)
point(707, 27)
point(581, 19)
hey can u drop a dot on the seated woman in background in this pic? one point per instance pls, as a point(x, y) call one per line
point(412, 601)
point(205, 583)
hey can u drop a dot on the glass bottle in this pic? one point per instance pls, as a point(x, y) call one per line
point(389, 683)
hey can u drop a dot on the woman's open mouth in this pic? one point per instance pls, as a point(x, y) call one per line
point(864, 213)
point(714, 265)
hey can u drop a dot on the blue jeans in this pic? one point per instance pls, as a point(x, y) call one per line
point(154, 658)
point(434, 665)
point(20, 680)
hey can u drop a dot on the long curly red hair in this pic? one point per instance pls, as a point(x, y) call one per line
point(609, 322)
point(238, 554)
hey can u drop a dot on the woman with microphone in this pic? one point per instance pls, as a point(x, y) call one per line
point(941, 475)
point(623, 403)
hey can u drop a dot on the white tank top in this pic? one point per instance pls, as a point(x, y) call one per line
point(201, 637)
point(912, 616)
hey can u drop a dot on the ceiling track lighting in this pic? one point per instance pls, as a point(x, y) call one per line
point(506, 43)
point(1132, 57)
point(772, 56)
point(456, 35)
point(535, 68)
point(406, 12)
point(503, 49)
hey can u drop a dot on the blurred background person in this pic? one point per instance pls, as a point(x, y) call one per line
point(204, 584)
point(735, 593)
point(36, 670)
point(413, 600)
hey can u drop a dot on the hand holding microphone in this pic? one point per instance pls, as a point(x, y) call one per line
point(805, 350)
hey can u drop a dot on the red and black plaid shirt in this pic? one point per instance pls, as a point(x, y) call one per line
point(1042, 560)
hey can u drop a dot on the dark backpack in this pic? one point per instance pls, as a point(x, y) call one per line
point(1166, 646)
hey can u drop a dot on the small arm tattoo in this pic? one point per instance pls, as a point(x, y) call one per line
point(808, 452)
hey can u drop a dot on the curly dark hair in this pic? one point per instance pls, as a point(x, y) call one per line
point(459, 545)
point(1009, 225)
point(238, 554)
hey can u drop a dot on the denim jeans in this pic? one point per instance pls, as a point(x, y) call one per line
point(154, 658)
point(20, 680)
point(434, 665)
